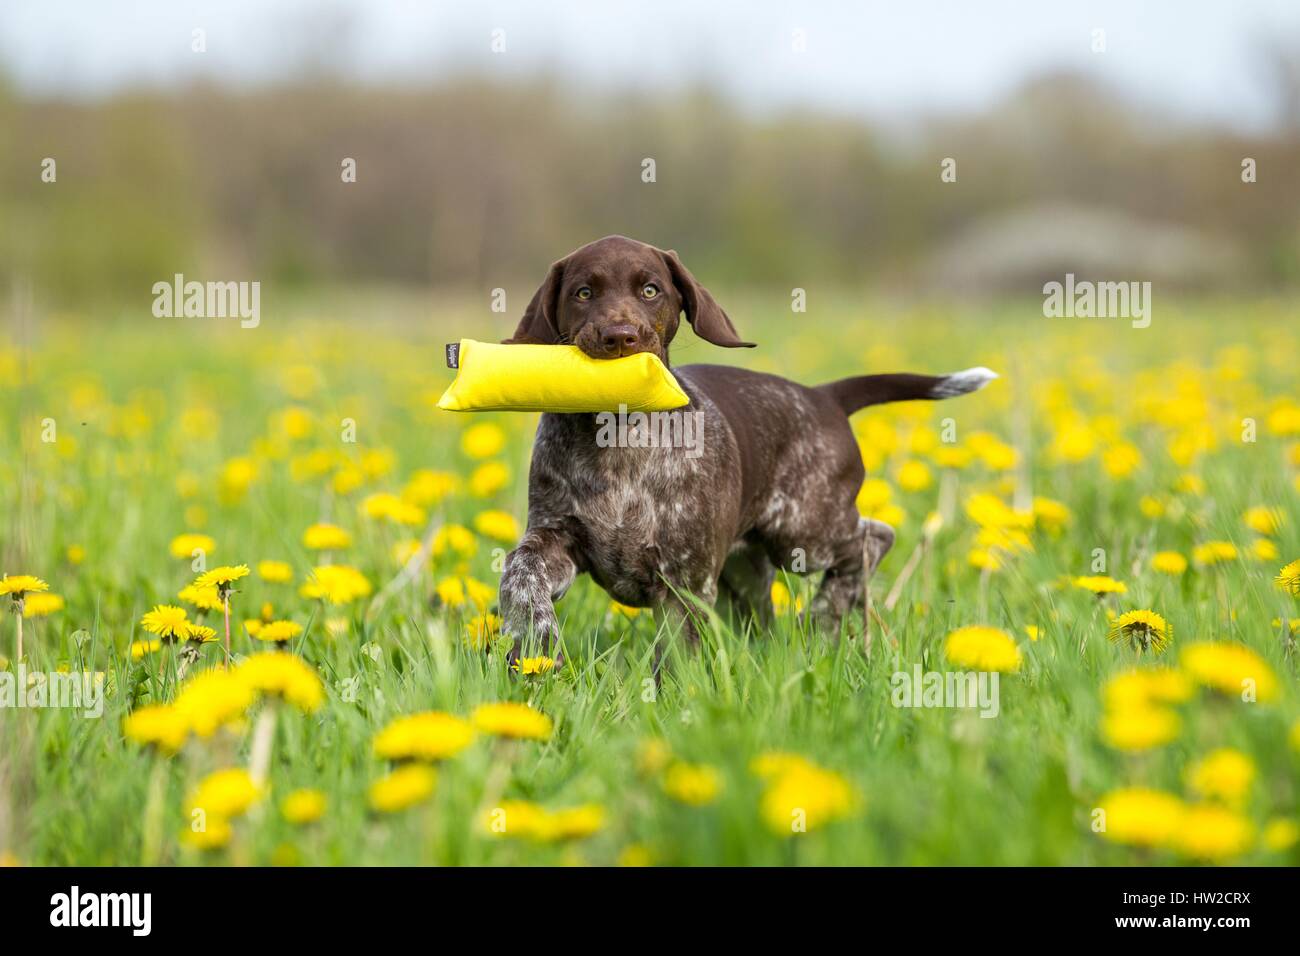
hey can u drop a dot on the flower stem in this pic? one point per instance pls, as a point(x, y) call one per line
point(259, 759)
point(225, 604)
point(153, 815)
point(19, 619)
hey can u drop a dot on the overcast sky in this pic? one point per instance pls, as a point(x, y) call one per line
point(1193, 58)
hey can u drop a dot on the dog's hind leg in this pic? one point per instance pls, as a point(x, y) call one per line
point(857, 555)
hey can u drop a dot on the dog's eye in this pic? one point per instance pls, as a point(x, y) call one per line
point(649, 290)
point(584, 292)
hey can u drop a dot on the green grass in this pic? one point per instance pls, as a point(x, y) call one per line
point(937, 786)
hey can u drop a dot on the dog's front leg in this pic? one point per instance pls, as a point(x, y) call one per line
point(537, 574)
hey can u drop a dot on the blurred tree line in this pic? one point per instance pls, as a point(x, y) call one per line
point(473, 183)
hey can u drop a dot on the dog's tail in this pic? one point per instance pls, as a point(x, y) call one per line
point(860, 391)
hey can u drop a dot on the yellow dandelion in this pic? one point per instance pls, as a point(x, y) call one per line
point(279, 632)
point(211, 700)
point(1141, 687)
point(783, 602)
point(167, 621)
point(1100, 585)
point(301, 807)
point(428, 736)
point(326, 537)
point(1137, 816)
point(457, 592)
point(205, 599)
point(696, 785)
point(285, 676)
point(483, 440)
point(804, 797)
point(141, 649)
point(982, 648)
point(1142, 631)
point(403, 788)
point(1224, 774)
point(1231, 669)
point(19, 585)
point(191, 545)
point(534, 666)
point(1140, 727)
point(221, 578)
point(488, 478)
point(224, 793)
point(42, 604)
point(1288, 578)
point(1280, 834)
point(497, 524)
point(1264, 520)
point(336, 583)
point(480, 630)
point(1168, 562)
point(454, 539)
point(275, 572)
point(512, 720)
point(1214, 552)
point(1213, 833)
point(213, 833)
point(156, 725)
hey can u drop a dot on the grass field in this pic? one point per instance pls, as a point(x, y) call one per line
point(1101, 447)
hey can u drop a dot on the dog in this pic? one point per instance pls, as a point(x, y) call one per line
point(772, 485)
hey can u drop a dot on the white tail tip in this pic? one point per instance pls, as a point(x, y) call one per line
point(960, 383)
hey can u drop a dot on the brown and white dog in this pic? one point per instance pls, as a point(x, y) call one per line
point(772, 483)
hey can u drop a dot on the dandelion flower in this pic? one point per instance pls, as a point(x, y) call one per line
point(275, 572)
point(300, 807)
point(480, 630)
point(1264, 520)
point(20, 585)
point(783, 600)
point(1137, 816)
point(1214, 552)
point(512, 720)
point(403, 788)
point(157, 725)
point(454, 539)
point(1145, 686)
point(652, 756)
point(205, 599)
point(1142, 631)
point(696, 785)
point(483, 440)
point(1280, 834)
point(456, 592)
point(1288, 578)
point(497, 524)
point(534, 666)
point(1136, 728)
point(1224, 774)
point(42, 604)
point(224, 793)
point(573, 823)
point(336, 583)
point(279, 632)
point(1231, 669)
point(167, 621)
point(221, 578)
point(141, 649)
point(285, 676)
point(805, 797)
point(213, 699)
point(982, 648)
point(428, 736)
point(1213, 833)
point(326, 537)
point(215, 833)
point(1100, 585)
point(488, 478)
point(1168, 562)
point(186, 545)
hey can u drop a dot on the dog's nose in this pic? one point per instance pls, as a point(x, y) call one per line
point(620, 340)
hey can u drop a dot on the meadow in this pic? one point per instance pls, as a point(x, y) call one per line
point(1110, 470)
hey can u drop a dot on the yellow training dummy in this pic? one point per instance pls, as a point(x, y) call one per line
point(555, 378)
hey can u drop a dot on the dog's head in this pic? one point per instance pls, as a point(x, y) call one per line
point(616, 297)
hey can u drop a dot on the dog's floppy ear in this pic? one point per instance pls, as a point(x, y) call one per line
point(704, 314)
point(538, 326)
